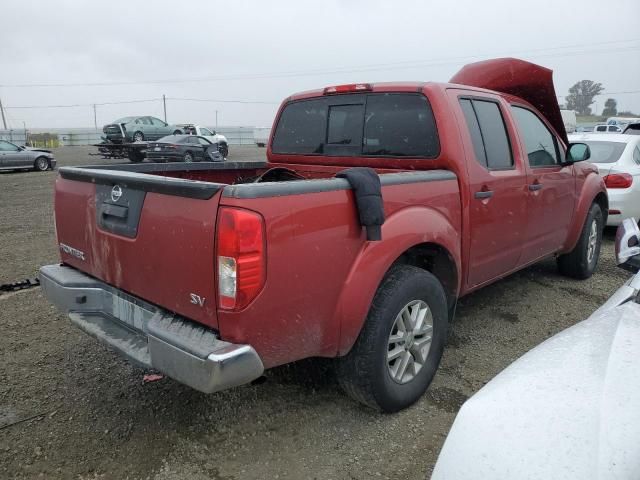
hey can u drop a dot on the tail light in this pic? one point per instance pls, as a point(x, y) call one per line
point(241, 257)
point(351, 87)
point(618, 180)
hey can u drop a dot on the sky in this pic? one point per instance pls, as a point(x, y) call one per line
point(244, 57)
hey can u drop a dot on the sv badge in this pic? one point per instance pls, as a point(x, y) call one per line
point(197, 299)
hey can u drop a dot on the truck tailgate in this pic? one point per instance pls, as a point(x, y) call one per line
point(154, 243)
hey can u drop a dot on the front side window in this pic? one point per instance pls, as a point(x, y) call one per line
point(203, 141)
point(540, 143)
point(636, 155)
point(7, 146)
point(157, 122)
point(206, 132)
point(395, 125)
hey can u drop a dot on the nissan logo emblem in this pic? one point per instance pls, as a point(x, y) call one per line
point(116, 193)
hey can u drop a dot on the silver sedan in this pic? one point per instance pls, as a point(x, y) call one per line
point(13, 157)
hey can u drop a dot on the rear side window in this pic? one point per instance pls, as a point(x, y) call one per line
point(541, 145)
point(396, 125)
point(474, 130)
point(488, 133)
point(636, 155)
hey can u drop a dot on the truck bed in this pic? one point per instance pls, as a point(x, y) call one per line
point(157, 240)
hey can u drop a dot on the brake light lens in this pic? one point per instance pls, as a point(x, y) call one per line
point(351, 87)
point(241, 257)
point(618, 180)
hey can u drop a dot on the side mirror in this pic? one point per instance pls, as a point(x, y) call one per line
point(628, 245)
point(578, 152)
point(213, 132)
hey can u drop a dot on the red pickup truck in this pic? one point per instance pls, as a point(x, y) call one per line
point(214, 272)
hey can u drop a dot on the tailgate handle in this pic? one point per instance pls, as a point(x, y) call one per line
point(117, 211)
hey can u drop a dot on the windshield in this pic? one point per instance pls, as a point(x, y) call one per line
point(605, 152)
point(174, 139)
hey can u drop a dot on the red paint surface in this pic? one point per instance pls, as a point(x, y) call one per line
point(321, 273)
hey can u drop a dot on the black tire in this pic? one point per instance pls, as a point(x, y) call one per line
point(135, 156)
point(41, 164)
point(177, 132)
point(365, 373)
point(224, 150)
point(138, 137)
point(580, 262)
point(188, 157)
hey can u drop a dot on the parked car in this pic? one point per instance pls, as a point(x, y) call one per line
point(183, 148)
point(632, 129)
point(618, 160)
point(137, 129)
point(211, 135)
point(566, 409)
point(14, 157)
point(236, 268)
point(604, 128)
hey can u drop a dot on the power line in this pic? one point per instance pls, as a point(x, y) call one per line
point(408, 64)
point(223, 101)
point(78, 105)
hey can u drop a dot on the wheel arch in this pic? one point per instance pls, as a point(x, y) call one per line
point(35, 161)
point(593, 191)
point(418, 236)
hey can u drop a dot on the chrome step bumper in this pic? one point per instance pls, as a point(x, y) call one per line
point(148, 335)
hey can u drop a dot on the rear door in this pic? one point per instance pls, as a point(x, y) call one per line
point(551, 187)
point(497, 183)
point(159, 128)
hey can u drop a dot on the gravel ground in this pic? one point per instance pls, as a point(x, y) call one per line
point(94, 419)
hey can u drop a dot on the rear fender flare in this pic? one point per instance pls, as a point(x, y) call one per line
point(592, 190)
point(404, 229)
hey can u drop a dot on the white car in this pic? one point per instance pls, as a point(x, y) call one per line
point(212, 136)
point(569, 408)
point(617, 157)
point(606, 128)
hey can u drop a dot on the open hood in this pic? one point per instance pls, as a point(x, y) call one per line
point(525, 80)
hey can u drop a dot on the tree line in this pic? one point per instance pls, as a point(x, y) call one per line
point(581, 96)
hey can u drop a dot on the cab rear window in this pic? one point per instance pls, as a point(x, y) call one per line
point(376, 124)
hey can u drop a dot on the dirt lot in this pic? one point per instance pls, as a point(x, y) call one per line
point(95, 419)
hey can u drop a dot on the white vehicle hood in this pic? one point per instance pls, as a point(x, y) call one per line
point(568, 409)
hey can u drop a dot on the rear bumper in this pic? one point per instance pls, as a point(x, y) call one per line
point(148, 335)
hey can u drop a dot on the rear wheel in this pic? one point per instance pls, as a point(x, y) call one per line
point(188, 157)
point(177, 132)
point(581, 262)
point(41, 164)
point(135, 156)
point(138, 137)
point(399, 348)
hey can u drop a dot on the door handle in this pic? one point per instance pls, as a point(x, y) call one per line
point(534, 187)
point(484, 194)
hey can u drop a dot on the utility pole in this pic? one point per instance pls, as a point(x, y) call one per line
point(216, 118)
point(4, 120)
point(164, 105)
point(95, 117)
point(26, 139)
